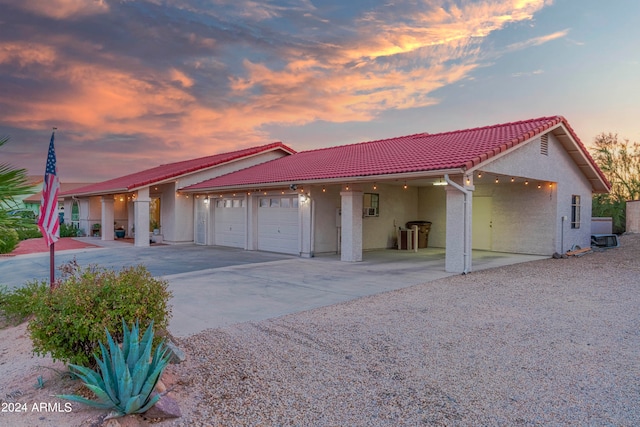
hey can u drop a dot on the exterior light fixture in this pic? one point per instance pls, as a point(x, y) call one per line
point(539, 186)
point(206, 200)
point(324, 190)
point(497, 180)
point(405, 185)
point(526, 182)
point(347, 187)
point(375, 187)
point(304, 197)
point(512, 179)
point(121, 199)
point(479, 175)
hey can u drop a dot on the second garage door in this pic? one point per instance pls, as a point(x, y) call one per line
point(278, 224)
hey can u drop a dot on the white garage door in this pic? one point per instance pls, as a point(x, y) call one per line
point(278, 224)
point(230, 222)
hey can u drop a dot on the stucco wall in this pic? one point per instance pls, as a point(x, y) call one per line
point(633, 216)
point(544, 225)
point(522, 217)
point(397, 206)
point(326, 231)
point(432, 206)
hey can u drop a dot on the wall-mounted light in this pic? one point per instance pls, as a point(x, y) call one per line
point(539, 186)
point(121, 199)
point(324, 190)
point(479, 174)
point(206, 200)
point(526, 182)
point(304, 197)
point(347, 187)
point(497, 180)
point(512, 179)
point(405, 185)
point(375, 187)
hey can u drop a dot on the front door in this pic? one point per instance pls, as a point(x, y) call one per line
point(482, 223)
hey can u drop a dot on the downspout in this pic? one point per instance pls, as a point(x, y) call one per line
point(466, 194)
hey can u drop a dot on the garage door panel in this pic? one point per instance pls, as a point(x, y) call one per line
point(230, 223)
point(278, 226)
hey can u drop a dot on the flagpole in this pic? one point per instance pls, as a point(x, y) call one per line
point(52, 274)
point(52, 250)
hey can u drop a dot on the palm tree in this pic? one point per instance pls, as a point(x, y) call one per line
point(13, 183)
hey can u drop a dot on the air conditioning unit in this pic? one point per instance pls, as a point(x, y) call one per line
point(370, 212)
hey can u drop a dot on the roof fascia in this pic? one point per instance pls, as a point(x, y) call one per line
point(555, 129)
point(351, 180)
point(598, 180)
point(178, 177)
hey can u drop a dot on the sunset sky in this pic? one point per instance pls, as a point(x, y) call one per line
point(131, 84)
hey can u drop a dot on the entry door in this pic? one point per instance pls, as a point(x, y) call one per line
point(482, 223)
point(202, 216)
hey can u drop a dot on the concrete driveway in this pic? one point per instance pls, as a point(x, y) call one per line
point(215, 286)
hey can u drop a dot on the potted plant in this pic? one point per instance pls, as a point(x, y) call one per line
point(119, 232)
point(96, 230)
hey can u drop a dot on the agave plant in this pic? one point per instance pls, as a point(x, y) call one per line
point(127, 375)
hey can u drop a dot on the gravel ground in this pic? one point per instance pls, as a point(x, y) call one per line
point(551, 342)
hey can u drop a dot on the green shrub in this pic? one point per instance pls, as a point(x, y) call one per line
point(29, 232)
point(8, 240)
point(127, 376)
point(68, 230)
point(19, 303)
point(70, 321)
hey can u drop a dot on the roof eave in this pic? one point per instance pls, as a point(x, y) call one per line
point(336, 180)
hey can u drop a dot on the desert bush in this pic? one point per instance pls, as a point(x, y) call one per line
point(69, 321)
point(8, 240)
point(19, 303)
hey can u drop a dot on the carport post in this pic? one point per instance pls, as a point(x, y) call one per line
point(458, 227)
point(351, 221)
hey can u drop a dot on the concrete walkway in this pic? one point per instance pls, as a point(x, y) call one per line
point(215, 286)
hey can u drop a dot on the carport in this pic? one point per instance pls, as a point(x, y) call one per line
point(520, 187)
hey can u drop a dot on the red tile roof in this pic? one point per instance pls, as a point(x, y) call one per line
point(171, 170)
point(423, 152)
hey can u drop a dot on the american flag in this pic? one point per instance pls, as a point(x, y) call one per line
point(48, 222)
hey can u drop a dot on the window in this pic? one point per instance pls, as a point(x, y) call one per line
point(154, 214)
point(575, 211)
point(371, 204)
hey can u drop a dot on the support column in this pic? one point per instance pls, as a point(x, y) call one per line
point(458, 229)
point(107, 218)
point(141, 209)
point(351, 246)
point(305, 210)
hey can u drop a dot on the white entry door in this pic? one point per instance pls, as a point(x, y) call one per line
point(202, 217)
point(482, 223)
point(230, 222)
point(278, 224)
